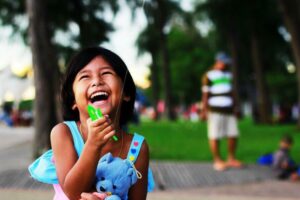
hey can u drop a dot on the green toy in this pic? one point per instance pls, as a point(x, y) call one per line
point(95, 113)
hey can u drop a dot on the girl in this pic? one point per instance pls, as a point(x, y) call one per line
point(98, 77)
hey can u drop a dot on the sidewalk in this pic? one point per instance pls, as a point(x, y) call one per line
point(177, 179)
point(258, 191)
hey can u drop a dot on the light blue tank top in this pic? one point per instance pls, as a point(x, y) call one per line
point(43, 168)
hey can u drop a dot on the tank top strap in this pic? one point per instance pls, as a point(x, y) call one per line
point(78, 141)
point(135, 147)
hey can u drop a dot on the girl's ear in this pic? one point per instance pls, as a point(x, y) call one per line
point(126, 98)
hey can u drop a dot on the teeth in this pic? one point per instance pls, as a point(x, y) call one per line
point(98, 94)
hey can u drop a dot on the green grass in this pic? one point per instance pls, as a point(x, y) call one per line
point(184, 140)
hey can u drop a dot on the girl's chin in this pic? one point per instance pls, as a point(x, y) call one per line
point(104, 107)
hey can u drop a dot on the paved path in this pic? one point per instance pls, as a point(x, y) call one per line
point(175, 180)
point(182, 175)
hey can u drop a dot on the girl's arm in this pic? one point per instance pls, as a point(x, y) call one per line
point(139, 190)
point(77, 175)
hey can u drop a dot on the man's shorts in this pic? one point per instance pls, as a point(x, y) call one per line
point(222, 125)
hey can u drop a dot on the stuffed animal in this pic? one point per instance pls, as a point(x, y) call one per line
point(114, 177)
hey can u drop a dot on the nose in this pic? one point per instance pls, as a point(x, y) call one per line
point(102, 189)
point(97, 81)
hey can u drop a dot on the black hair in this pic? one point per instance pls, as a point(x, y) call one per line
point(79, 61)
point(287, 139)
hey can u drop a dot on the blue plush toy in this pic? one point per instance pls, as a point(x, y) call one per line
point(115, 176)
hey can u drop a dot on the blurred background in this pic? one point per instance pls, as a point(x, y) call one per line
point(168, 45)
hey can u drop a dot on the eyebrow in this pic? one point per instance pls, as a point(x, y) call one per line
point(103, 68)
point(82, 73)
point(107, 67)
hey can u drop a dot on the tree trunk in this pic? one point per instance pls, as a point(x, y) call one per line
point(166, 63)
point(261, 94)
point(83, 36)
point(234, 49)
point(166, 78)
point(290, 11)
point(155, 83)
point(46, 75)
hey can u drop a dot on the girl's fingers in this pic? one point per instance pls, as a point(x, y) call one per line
point(109, 135)
point(107, 129)
point(100, 123)
point(88, 196)
point(97, 122)
point(102, 130)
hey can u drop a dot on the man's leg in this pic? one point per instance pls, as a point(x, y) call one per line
point(232, 135)
point(214, 135)
point(219, 164)
point(232, 145)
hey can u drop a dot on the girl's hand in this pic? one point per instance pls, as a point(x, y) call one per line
point(99, 131)
point(90, 196)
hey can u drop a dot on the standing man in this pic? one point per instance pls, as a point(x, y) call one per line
point(219, 109)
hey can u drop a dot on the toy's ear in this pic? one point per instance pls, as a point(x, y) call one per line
point(106, 158)
point(131, 173)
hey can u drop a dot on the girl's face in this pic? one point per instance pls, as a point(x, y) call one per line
point(97, 84)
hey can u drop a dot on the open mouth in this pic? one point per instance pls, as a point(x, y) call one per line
point(98, 96)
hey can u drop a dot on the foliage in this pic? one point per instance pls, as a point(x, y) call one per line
point(26, 105)
point(282, 86)
point(82, 22)
point(7, 106)
point(147, 40)
point(190, 54)
point(263, 19)
point(189, 59)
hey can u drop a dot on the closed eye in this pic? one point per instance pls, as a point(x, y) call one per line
point(106, 73)
point(83, 77)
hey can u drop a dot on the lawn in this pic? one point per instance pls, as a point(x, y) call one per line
point(185, 140)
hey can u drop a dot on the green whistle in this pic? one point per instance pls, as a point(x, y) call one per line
point(95, 113)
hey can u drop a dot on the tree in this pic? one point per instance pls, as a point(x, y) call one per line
point(262, 27)
point(252, 24)
point(225, 15)
point(290, 13)
point(46, 75)
point(147, 42)
point(159, 14)
point(189, 61)
point(46, 20)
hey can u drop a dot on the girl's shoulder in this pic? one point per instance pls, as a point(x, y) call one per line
point(61, 131)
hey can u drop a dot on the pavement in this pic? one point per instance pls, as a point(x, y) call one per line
point(175, 180)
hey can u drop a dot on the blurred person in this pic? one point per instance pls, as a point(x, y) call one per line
point(295, 112)
point(5, 116)
point(16, 117)
point(219, 109)
point(282, 162)
point(194, 112)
